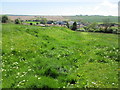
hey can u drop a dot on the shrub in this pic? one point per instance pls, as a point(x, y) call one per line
point(81, 29)
point(37, 23)
point(4, 19)
point(17, 21)
point(31, 23)
point(114, 29)
point(92, 27)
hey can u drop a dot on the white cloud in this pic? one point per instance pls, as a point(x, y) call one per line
point(107, 8)
point(106, 4)
point(109, 4)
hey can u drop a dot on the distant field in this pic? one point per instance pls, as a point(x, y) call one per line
point(56, 57)
point(68, 18)
point(93, 18)
point(32, 22)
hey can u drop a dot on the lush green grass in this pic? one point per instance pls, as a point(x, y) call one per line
point(56, 57)
point(32, 22)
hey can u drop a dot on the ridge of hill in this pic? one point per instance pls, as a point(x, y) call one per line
point(92, 18)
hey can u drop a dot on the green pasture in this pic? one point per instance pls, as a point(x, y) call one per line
point(57, 57)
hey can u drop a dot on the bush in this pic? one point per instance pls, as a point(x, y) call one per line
point(85, 28)
point(108, 30)
point(17, 21)
point(113, 29)
point(37, 23)
point(92, 27)
point(81, 29)
point(31, 23)
point(4, 19)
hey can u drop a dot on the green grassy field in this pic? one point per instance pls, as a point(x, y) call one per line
point(32, 22)
point(56, 57)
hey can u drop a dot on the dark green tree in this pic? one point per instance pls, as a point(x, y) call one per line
point(17, 21)
point(67, 25)
point(4, 19)
point(74, 27)
point(31, 23)
point(37, 23)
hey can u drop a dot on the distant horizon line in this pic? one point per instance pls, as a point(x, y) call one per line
point(50, 15)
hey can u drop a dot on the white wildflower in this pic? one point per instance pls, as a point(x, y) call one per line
point(39, 78)
point(93, 83)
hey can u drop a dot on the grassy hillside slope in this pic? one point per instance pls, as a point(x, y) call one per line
point(56, 57)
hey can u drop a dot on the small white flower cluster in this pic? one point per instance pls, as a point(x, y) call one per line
point(24, 73)
point(12, 48)
point(39, 77)
point(29, 69)
point(15, 63)
point(21, 74)
point(21, 83)
point(93, 83)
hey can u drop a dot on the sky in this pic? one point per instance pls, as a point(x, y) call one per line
point(60, 7)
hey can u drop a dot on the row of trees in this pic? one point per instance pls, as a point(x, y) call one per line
point(18, 21)
point(104, 28)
